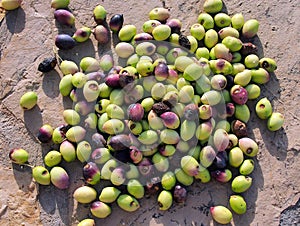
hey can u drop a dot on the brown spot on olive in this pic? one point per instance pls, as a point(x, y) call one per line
point(132, 126)
point(93, 87)
point(249, 150)
point(262, 106)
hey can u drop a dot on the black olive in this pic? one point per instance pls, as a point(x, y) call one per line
point(184, 42)
point(160, 108)
point(48, 64)
point(116, 22)
point(64, 41)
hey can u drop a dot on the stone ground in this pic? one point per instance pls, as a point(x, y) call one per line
point(27, 37)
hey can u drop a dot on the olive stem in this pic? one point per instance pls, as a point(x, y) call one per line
point(56, 54)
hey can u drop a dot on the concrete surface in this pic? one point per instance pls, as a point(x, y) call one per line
point(27, 37)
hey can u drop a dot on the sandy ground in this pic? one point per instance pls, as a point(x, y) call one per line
point(27, 37)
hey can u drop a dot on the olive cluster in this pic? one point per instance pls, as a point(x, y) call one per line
point(175, 113)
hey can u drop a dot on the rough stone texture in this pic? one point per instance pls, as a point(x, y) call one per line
point(290, 216)
point(27, 37)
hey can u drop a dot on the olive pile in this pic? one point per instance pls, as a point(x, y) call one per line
point(175, 113)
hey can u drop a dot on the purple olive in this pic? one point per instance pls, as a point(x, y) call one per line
point(82, 34)
point(116, 22)
point(223, 175)
point(142, 37)
point(161, 71)
point(228, 111)
point(98, 140)
point(230, 82)
point(135, 154)
point(115, 70)
point(96, 76)
point(64, 16)
point(83, 107)
point(170, 120)
point(135, 112)
point(191, 112)
point(64, 41)
point(145, 167)
point(112, 80)
point(59, 177)
point(91, 173)
point(45, 133)
point(101, 34)
point(119, 142)
point(173, 76)
point(239, 94)
point(175, 25)
point(230, 108)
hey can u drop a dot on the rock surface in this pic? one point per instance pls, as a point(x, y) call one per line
point(27, 37)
